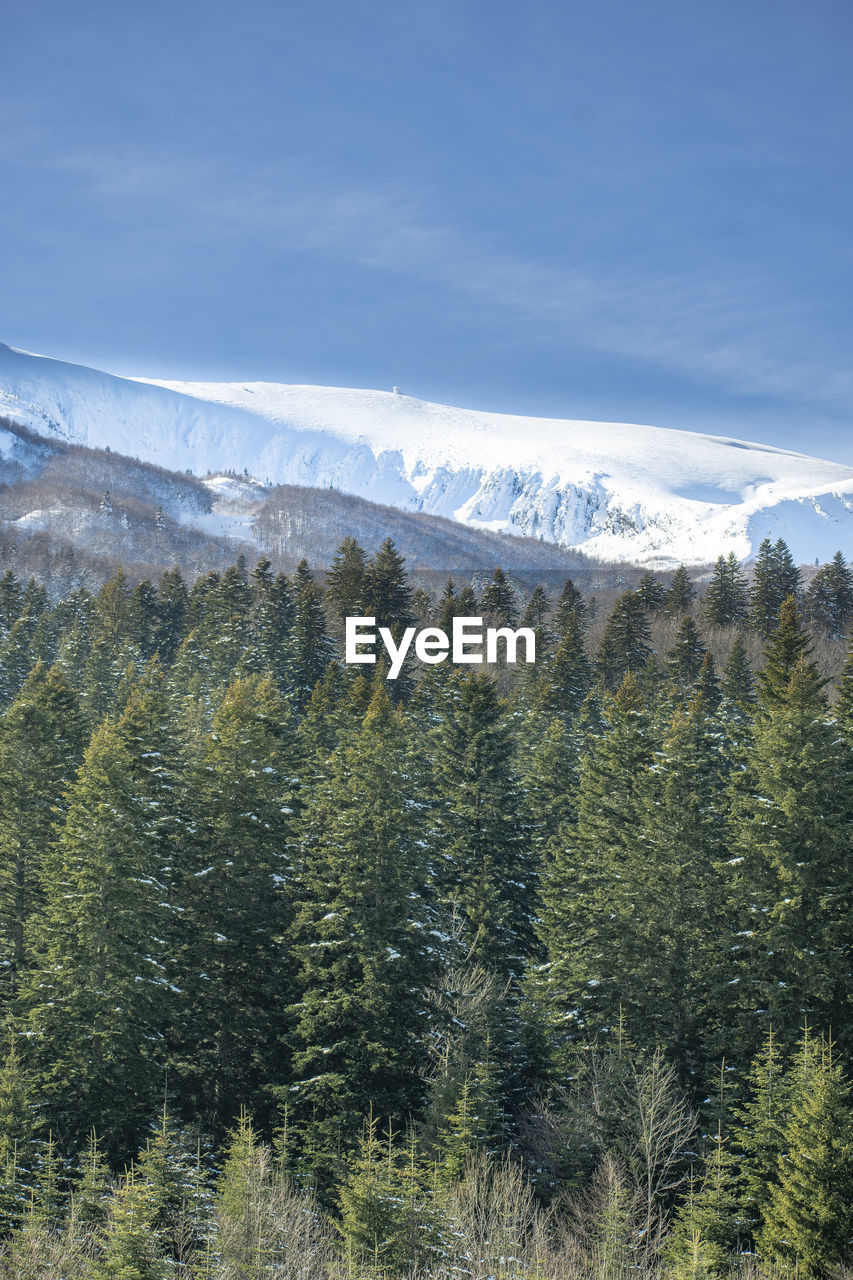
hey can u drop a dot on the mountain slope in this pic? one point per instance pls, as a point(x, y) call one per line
point(613, 491)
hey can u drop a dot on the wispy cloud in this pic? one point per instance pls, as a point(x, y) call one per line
point(735, 333)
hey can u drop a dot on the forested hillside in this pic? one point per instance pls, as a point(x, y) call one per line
point(536, 971)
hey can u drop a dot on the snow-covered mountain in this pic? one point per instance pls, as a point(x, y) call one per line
point(615, 491)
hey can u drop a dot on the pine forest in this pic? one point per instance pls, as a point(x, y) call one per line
point(520, 971)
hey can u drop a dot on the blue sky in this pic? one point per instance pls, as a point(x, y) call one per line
point(620, 210)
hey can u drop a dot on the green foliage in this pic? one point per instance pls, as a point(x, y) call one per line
point(808, 1216)
point(360, 936)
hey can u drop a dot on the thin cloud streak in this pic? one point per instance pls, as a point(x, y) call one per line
point(735, 335)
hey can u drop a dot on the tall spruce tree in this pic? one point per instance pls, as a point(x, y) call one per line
point(791, 878)
point(345, 580)
point(626, 643)
point(680, 594)
point(583, 914)
point(499, 600)
point(726, 602)
point(362, 943)
point(775, 576)
point(232, 969)
point(96, 1002)
point(828, 602)
point(808, 1216)
point(41, 742)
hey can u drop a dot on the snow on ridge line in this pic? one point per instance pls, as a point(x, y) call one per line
point(613, 490)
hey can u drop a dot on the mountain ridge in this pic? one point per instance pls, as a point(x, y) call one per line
point(611, 491)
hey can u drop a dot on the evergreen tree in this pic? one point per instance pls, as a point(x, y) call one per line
point(90, 1196)
point(791, 881)
point(499, 600)
point(774, 578)
point(788, 648)
point(276, 632)
point(737, 683)
point(687, 654)
point(143, 618)
point(386, 593)
point(705, 1233)
point(652, 592)
point(313, 648)
point(680, 593)
point(625, 645)
point(373, 1213)
point(536, 609)
point(487, 869)
point(828, 603)
point(582, 919)
point(41, 742)
point(171, 611)
point(95, 1004)
point(17, 1140)
point(808, 1218)
point(11, 602)
point(233, 971)
point(760, 1122)
point(345, 580)
point(726, 602)
point(564, 680)
point(570, 604)
point(362, 944)
point(132, 1249)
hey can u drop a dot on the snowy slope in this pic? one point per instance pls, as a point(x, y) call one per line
point(615, 491)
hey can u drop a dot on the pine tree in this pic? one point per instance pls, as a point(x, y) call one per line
point(828, 603)
point(671, 890)
point(760, 1122)
point(91, 1192)
point(132, 1249)
point(276, 635)
point(563, 681)
point(11, 603)
point(680, 594)
point(243, 1219)
point(95, 1004)
point(705, 1233)
point(143, 618)
point(487, 869)
point(583, 918)
point(361, 941)
point(41, 742)
point(172, 1171)
point(499, 600)
point(788, 647)
point(172, 602)
point(386, 592)
point(570, 604)
point(726, 602)
point(373, 1218)
point(233, 971)
point(313, 648)
point(808, 1218)
point(111, 652)
point(652, 592)
point(737, 683)
point(687, 654)
point(774, 578)
point(625, 645)
point(791, 881)
point(536, 609)
point(17, 1140)
point(345, 580)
